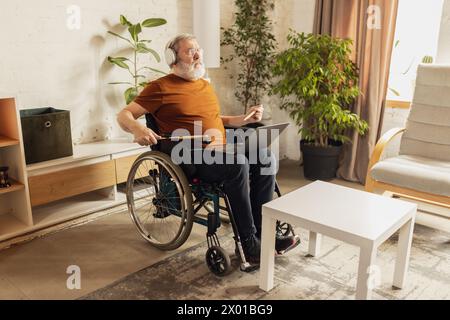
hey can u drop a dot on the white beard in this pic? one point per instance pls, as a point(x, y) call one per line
point(190, 71)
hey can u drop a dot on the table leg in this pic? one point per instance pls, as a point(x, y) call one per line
point(403, 252)
point(314, 243)
point(364, 284)
point(267, 253)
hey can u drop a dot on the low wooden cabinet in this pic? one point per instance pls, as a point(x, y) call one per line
point(123, 166)
point(62, 184)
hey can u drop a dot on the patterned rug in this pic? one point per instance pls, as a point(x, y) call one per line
point(332, 275)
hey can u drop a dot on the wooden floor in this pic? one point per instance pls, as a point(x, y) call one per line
point(106, 249)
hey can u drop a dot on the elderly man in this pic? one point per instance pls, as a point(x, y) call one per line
point(183, 99)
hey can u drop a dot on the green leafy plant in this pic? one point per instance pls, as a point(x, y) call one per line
point(318, 82)
point(138, 46)
point(254, 48)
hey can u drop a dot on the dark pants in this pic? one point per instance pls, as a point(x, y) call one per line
point(247, 185)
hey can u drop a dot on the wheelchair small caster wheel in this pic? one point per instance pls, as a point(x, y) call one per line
point(218, 261)
point(284, 229)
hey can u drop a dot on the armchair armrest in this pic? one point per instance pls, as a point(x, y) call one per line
point(378, 151)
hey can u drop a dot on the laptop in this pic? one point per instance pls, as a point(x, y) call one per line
point(270, 133)
point(252, 139)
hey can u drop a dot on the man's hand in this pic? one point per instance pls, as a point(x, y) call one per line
point(254, 114)
point(145, 136)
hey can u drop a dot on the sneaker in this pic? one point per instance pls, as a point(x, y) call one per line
point(252, 247)
point(284, 244)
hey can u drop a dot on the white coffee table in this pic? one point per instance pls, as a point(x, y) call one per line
point(356, 217)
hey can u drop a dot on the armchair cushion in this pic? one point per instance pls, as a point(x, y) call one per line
point(414, 172)
point(428, 125)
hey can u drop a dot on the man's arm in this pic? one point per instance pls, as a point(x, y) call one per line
point(127, 119)
point(254, 114)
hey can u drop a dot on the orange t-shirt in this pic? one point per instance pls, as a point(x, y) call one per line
point(176, 103)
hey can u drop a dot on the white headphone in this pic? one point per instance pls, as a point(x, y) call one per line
point(170, 54)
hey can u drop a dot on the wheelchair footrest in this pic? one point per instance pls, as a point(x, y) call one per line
point(247, 267)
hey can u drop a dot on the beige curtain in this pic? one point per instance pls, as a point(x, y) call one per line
point(372, 53)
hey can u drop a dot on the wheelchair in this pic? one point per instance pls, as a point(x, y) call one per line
point(164, 200)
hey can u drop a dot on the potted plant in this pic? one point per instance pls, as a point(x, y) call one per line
point(138, 46)
point(318, 82)
point(253, 45)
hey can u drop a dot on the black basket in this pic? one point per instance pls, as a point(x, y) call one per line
point(46, 134)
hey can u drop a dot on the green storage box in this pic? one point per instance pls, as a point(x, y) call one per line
point(46, 134)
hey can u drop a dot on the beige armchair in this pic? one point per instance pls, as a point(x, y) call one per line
point(421, 171)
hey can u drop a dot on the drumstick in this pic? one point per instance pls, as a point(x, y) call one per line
point(250, 115)
point(179, 138)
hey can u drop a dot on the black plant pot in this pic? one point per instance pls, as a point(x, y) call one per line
point(320, 163)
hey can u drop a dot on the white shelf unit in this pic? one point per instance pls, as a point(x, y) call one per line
point(52, 192)
point(15, 210)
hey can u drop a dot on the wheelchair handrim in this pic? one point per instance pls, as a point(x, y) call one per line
point(185, 223)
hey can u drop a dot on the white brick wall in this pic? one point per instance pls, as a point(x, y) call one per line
point(44, 63)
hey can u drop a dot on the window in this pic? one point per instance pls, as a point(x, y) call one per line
point(416, 36)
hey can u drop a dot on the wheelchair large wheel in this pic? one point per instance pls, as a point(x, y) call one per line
point(160, 200)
